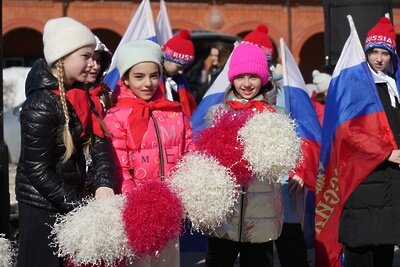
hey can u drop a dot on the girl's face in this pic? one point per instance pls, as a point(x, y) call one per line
point(172, 68)
point(214, 55)
point(247, 86)
point(78, 64)
point(95, 68)
point(143, 79)
point(379, 59)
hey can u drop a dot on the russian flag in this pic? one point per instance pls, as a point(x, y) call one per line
point(141, 27)
point(355, 140)
point(214, 95)
point(295, 99)
point(163, 25)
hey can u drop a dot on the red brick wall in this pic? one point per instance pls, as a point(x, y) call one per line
point(226, 18)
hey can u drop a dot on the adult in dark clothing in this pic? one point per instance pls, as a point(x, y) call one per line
point(370, 222)
point(213, 66)
point(57, 126)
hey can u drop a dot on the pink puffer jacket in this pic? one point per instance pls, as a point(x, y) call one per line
point(169, 132)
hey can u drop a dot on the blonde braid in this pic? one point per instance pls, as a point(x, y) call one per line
point(67, 137)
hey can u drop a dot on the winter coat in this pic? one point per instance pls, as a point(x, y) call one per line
point(371, 215)
point(43, 180)
point(319, 107)
point(168, 137)
point(258, 215)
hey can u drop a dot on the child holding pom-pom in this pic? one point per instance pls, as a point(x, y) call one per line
point(257, 219)
point(149, 133)
point(60, 125)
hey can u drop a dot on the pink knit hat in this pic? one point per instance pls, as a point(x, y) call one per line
point(248, 59)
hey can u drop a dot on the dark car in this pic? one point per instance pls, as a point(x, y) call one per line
point(202, 43)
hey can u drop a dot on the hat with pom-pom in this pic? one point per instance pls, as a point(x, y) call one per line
point(64, 35)
point(382, 35)
point(321, 80)
point(260, 37)
point(179, 48)
point(248, 59)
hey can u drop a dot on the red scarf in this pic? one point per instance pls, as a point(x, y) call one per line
point(185, 97)
point(80, 102)
point(95, 96)
point(256, 104)
point(138, 119)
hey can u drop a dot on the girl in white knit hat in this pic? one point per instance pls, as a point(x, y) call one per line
point(149, 133)
point(58, 125)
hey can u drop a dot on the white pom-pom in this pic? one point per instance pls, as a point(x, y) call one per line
point(271, 145)
point(207, 190)
point(6, 252)
point(93, 233)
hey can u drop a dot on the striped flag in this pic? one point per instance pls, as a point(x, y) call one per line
point(294, 97)
point(141, 27)
point(163, 26)
point(214, 95)
point(354, 142)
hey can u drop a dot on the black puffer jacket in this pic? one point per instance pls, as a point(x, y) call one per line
point(371, 215)
point(43, 180)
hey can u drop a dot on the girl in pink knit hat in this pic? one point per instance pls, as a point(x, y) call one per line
point(257, 218)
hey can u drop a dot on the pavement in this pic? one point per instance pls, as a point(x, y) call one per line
point(192, 259)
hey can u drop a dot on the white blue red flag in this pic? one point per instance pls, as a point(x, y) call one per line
point(355, 140)
point(295, 99)
point(214, 95)
point(141, 27)
point(163, 25)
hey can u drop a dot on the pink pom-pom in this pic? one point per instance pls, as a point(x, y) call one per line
point(221, 141)
point(152, 216)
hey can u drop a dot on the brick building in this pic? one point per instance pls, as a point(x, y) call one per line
point(299, 22)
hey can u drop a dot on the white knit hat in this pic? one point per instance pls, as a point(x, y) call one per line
point(135, 52)
point(321, 80)
point(62, 36)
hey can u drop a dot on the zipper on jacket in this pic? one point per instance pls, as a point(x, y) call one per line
point(241, 214)
point(160, 148)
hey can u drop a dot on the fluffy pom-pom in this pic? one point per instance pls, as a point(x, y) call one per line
point(185, 34)
point(7, 252)
point(153, 215)
point(207, 190)
point(270, 145)
point(221, 141)
point(262, 28)
point(93, 233)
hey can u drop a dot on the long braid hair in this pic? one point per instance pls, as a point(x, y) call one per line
point(67, 137)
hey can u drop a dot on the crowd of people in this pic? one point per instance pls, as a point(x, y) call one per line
point(80, 139)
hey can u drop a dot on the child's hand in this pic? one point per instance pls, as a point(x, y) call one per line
point(103, 192)
point(295, 184)
point(395, 156)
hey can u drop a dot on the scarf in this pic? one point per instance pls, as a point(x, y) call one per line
point(381, 77)
point(81, 105)
point(138, 119)
point(95, 94)
point(185, 97)
point(260, 106)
